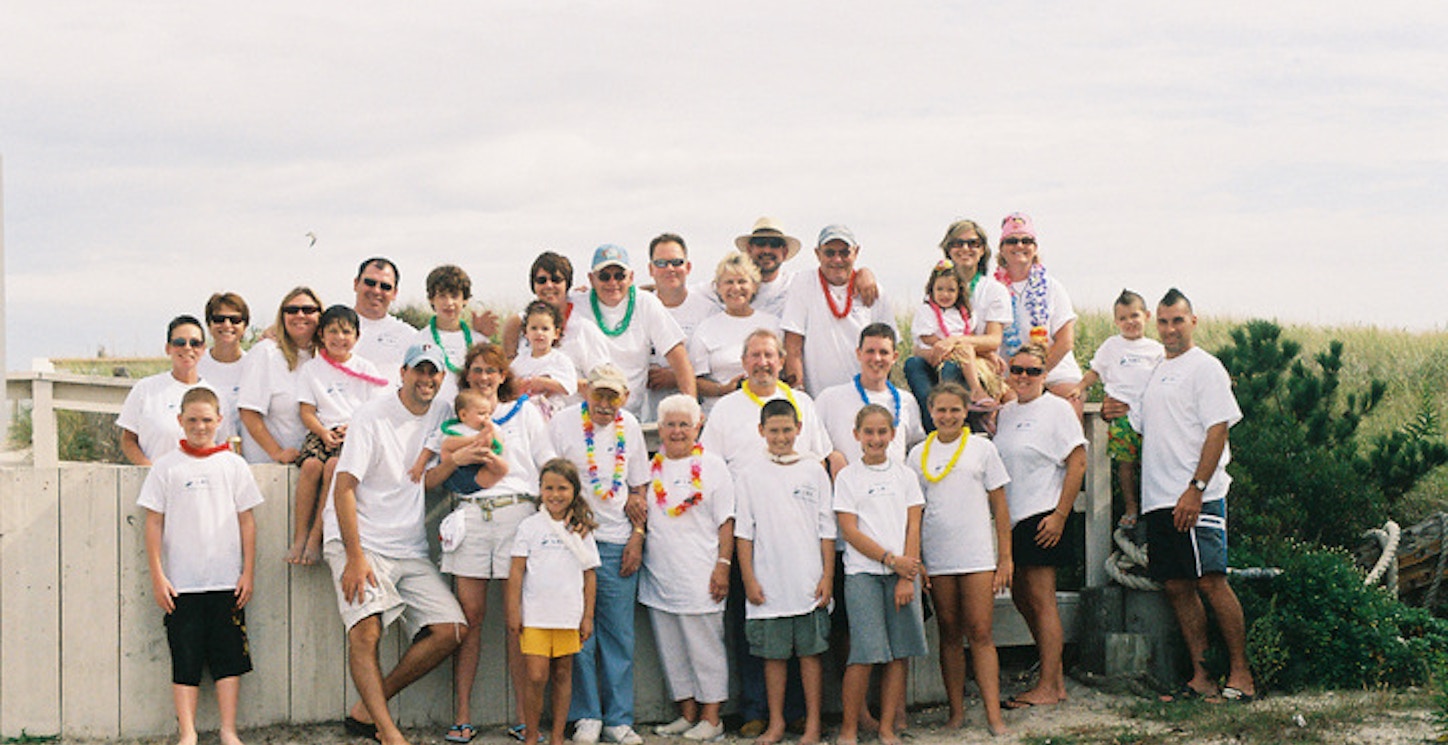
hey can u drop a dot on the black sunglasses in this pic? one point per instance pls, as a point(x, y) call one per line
point(831, 253)
point(666, 263)
point(370, 282)
point(543, 279)
point(767, 242)
point(306, 310)
point(235, 320)
point(1031, 371)
point(1013, 240)
point(180, 343)
point(972, 242)
point(614, 276)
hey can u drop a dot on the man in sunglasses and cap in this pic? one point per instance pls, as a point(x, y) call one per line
point(769, 247)
point(381, 338)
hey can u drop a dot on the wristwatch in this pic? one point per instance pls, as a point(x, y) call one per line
point(1199, 485)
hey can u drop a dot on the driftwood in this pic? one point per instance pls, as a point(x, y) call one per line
point(1422, 563)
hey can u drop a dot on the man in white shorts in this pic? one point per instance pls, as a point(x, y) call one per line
point(376, 544)
point(825, 313)
point(1183, 417)
point(381, 338)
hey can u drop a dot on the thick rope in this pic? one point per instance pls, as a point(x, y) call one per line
point(1388, 537)
point(1125, 564)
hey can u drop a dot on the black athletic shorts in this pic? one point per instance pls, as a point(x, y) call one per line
point(207, 630)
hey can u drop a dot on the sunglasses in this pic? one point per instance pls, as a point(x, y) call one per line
point(959, 243)
point(370, 282)
point(543, 279)
point(834, 253)
point(180, 343)
point(614, 276)
point(306, 310)
point(1023, 240)
point(1030, 371)
point(667, 263)
point(767, 242)
point(236, 320)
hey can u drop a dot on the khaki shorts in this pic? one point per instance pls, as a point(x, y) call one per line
point(411, 589)
point(486, 551)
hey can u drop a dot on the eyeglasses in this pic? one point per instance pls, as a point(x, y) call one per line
point(306, 310)
point(1029, 371)
point(614, 276)
point(484, 371)
point(767, 242)
point(833, 253)
point(370, 282)
point(1024, 240)
point(180, 343)
point(959, 243)
point(236, 320)
point(666, 263)
point(543, 279)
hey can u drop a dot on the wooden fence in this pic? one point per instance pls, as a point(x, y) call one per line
point(83, 651)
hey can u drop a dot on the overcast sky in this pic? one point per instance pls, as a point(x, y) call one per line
point(1272, 159)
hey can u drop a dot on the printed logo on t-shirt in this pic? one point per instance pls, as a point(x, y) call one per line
point(1025, 425)
point(806, 493)
point(876, 490)
point(197, 483)
point(1169, 379)
point(1135, 360)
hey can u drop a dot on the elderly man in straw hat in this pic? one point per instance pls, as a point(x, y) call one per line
point(769, 247)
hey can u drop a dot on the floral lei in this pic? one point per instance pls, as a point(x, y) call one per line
point(372, 379)
point(1036, 309)
point(894, 397)
point(437, 339)
point(661, 494)
point(925, 457)
point(940, 318)
point(849, 295)
point(619, 454)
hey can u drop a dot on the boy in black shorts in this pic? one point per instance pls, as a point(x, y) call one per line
point(201, 545)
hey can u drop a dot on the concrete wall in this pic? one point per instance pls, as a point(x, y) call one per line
point(83, 650)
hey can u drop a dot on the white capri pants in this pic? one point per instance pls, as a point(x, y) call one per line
point(691, 649)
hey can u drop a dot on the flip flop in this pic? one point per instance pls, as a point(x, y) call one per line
point(460, 733)
point(358, 728)
point(518, 732)
point(1232, 695)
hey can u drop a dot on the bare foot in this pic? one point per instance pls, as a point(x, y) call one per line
point(230, 738)
point(955, 722)
point(313, 552)
point(187, 739)
point(296, 555)
point(998, 729)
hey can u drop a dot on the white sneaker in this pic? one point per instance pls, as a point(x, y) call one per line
point(677, 727)
point(705, 732)
point(586, 731)
point(621, 734)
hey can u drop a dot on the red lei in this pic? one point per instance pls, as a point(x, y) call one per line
point(849, 294)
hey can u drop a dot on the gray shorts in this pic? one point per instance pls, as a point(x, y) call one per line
point(805, 635)
point(411, 589)
point(878, 631)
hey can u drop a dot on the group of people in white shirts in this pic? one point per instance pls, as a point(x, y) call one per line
point(963, 488)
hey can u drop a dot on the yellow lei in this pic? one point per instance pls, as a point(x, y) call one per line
point(788, 393)
point(925, 457)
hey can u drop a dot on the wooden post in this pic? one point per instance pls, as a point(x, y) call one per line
point(1098, 499)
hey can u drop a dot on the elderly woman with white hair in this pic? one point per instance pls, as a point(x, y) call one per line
point(686, 568)
point(714, 346)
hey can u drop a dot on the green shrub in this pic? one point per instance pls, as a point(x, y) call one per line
point(1317, 626)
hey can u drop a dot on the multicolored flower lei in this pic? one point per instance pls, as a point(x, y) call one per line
point(620, 453)
point(1037, 310)
point(696, 470)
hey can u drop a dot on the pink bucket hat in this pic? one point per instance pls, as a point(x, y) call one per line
point(1017, 223)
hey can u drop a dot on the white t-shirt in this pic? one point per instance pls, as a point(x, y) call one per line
point(650, 328)
point(1034, 440)
point(716, 347)
point(150, 411)
point(384, 343)
point(880, 497)
point(839, 404)
point(1185, 397)
point(682, 550)
point(1058, 314)
point(926, 324)
point(455, 349)
point(584, 344)
point(785, 510)
point(553, 579)
point(270, 389)
point(990, 302)
point(200, 497)
point(1125, 365)
point(336, 394)
point(689, 314)
point(526, 447)
point(566, 431)
point(772, 296)
point(225, 379)
point(383, 441)
point(829, 342)
point(732, 430)
point(555, 366)
point(957, 535)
